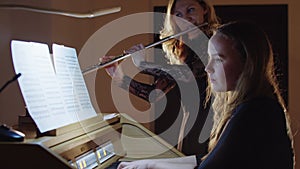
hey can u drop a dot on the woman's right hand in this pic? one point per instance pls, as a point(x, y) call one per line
point(113, 70)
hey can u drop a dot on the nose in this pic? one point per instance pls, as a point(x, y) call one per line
point(208, 68)
point(187, 17)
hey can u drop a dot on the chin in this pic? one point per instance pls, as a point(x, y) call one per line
point(193, 35)
point(218, 89)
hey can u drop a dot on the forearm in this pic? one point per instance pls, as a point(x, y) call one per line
point(172, 163)
point(136, 88)
point(143, 90)
point(178, 72)
point(166, 165)
point(184, 160)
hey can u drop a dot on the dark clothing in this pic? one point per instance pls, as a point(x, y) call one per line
point(255, 138)
point(183, 86)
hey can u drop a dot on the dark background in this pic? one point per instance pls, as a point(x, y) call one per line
point(272, 18)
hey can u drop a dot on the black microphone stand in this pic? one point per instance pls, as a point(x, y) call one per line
point(6, 132)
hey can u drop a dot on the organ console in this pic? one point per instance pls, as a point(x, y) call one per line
point(92, 143)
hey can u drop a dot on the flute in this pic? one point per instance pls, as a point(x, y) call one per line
point(124, 56)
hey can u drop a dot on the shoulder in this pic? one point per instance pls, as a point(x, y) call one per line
point(258, 105)
point(262, 114)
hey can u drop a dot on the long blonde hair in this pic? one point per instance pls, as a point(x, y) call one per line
point(257, 79)
point(175, 49)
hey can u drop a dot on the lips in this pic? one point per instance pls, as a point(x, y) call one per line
point(212, 80)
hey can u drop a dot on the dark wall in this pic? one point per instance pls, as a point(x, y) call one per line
point(274, 20)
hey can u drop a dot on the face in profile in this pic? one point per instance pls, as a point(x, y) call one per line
point(188, 14)
point(225, 65)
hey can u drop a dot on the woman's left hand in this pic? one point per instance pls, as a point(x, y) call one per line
point(138, 54)
point(139, 164)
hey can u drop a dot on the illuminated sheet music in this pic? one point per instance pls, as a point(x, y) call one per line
point(68, 72)
point(53, 89)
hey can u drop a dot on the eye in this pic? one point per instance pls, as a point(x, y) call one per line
point(178, 14)
point(191, 10)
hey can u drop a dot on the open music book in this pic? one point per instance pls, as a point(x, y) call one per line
point(52, 86)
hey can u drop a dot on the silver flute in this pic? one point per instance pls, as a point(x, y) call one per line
point(124, 56)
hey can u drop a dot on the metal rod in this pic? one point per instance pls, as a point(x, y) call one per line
point(91, 14)
point(124, 56)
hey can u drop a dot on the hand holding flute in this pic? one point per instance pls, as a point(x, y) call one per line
point(137, 53)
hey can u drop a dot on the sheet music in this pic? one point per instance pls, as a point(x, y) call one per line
point(76, 96)
point(51, 89)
